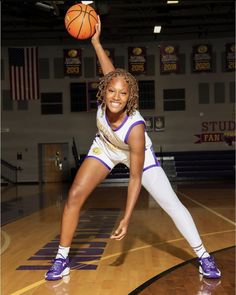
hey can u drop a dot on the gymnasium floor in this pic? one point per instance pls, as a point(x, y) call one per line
point(153, 259)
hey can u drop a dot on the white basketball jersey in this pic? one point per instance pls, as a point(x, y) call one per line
point(118, 138)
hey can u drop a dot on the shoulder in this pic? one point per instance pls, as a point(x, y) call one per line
point(136, 117)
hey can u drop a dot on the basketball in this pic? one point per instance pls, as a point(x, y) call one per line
point(80, 21)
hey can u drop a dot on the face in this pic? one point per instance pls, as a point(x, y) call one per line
point(117, 95)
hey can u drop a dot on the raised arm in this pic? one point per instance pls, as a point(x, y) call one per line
point(104, 60)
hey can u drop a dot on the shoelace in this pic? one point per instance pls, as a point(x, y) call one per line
point(56, 265)
point(209, 262)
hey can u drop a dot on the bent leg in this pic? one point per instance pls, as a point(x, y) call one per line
point(157, 184)
point(91, 173)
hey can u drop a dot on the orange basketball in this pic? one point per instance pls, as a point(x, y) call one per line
point(80, 21)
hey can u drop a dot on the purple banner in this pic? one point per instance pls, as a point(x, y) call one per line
point(169, 59)
point(202, 58)
point(230, 57)
point(137, 60)
point(72, 62)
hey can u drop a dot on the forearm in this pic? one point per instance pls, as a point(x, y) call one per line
point(104, 60)
point(134, 188)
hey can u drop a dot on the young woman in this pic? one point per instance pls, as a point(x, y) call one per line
point(122, 138)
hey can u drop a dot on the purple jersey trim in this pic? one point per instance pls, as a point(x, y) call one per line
point(130, 128)
point(100, 161)
point(123, 122)
point(151, 166)
point(155, 158)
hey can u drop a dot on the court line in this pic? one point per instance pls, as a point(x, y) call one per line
point(41, 282)
point(7, 241)
point(207, 208)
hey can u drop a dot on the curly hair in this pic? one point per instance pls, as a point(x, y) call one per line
point(132, 103)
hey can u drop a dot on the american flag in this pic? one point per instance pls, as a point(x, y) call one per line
point(23, 66)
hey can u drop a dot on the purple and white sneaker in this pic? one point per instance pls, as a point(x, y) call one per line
point(59, 269)
point(208, 268)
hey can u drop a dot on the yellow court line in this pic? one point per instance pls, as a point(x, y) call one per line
point(207, 208)
point(41, 282)
point(7, 241)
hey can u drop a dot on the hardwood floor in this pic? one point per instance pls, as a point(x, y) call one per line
point(101, 266)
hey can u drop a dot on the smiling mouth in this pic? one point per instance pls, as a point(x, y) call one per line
point(115, 104)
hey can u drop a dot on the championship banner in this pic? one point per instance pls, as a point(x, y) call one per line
point(230, 57)
point(202, 58)
point(72, 62)
point(137, 60)
point(169, 59)
point(110, 52)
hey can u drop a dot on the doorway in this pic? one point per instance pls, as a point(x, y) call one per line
point(53, 162)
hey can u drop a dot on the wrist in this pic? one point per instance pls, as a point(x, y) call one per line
point(126, 219)
point(95, 42)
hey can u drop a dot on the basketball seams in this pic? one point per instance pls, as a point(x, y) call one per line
point(82, 22)
point(86, 25)
point(68, 25)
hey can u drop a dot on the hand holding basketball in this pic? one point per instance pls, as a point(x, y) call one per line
point(96, 36)
point(80, 21)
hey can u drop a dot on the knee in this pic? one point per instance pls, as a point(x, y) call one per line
point(74, 200)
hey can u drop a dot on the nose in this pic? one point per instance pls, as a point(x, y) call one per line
point(116, 96)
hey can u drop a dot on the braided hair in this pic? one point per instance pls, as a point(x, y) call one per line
point(132, 103)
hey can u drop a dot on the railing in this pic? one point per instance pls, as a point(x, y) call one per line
point(75, 153)
point(9, 172)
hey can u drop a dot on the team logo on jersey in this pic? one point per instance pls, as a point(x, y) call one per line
point(97, 151)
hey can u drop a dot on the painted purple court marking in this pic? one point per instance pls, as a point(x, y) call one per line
point(94, 224)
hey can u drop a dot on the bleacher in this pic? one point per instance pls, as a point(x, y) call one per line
point(194, 165)
point(204, 164)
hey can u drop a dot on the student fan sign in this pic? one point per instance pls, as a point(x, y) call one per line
point(72, 62)
point(202, 58)
point(137, 60)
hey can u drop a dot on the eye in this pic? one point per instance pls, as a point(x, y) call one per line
point(110, 90)
point(123, 93)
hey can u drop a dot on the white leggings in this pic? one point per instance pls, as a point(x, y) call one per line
point(157, 184)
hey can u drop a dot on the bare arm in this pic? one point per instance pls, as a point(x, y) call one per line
point(104, 60)
point(136, 143)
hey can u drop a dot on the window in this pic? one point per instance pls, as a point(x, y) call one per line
point(203, 93)
point(78, 97)
point(146, 95)
point(92, 92)
point(219, 90)
point(174, 99)
point(51, 103)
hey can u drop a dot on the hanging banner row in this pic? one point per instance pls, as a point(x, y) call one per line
point(202, 59)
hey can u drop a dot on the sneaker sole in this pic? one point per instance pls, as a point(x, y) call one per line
point(217, 276)
point(65, 272)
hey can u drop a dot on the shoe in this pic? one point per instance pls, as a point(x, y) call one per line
point(208, 268)
point(59, 269)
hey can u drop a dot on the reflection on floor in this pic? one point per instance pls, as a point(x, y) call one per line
point(182, 279)
point(31, 217)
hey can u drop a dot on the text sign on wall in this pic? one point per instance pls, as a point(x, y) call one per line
point(73, 62)
point(169, 59)
point(230, 57)
point(137, 60)
point(202, 58)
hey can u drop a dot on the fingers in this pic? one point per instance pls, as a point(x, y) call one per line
point(119, 234)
